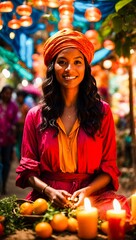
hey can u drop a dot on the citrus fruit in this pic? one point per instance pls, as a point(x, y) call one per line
point(72, 224)
point(26, 208)
point(43, 229)
point(105, 227)
point(59, 222)
point(40, 205)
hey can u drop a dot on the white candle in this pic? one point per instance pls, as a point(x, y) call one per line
point(116, 218)
point(87, 221)
point(133, 205)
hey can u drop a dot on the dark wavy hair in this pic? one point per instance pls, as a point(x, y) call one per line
point(90, 110)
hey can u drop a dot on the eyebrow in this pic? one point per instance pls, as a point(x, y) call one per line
point(74, 58)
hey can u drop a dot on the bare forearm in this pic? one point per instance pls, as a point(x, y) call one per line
point(37, 184)
point(100, 182)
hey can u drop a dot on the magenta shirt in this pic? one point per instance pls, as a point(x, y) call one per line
point(8, 119)
point(40, 150)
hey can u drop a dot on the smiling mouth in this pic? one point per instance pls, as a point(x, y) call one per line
point(67, 78)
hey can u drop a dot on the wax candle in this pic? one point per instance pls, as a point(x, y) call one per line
point(87, 221)
point(133, 205)
point(116, 218)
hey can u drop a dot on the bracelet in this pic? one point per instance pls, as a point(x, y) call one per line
point(44, 188)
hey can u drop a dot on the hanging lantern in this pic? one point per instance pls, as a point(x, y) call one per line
point(67, 18)
point(24, 10)
point(64, 24)
point(93, 14)
point(91, 34)
point(93, 37)
point(66, 2)
point(6, 6)
point(53, 3)
point(66, 10)
point(14, 23)
point(40, 3)
point(1, 23)
point(26, 21)
point(108, 44)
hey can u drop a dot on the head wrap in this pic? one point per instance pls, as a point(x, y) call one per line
point(64, 39)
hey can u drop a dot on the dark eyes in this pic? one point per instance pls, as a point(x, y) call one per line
point(64, 63)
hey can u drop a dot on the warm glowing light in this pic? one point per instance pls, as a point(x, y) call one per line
point(67, 2)
point(116, 205)
point(66, 10)
point(24, 83)
point(64, 24)
point(6, 6)
point(6, 73)
point(93, 14)
point(108, 44)
point(1, 24)
point(107, 64)
point(26, 21)
point(53, 3)
point(24, 10)
point(123, 60)
point(14, 23)
point(132, 51)
point(87, 204)
point(12, 35)
point(40, 3)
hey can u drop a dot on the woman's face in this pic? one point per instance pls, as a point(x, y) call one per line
point(69, 68)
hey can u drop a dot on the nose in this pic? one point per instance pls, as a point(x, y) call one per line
point(68, 67)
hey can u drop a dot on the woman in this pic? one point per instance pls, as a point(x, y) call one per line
point(69, 147)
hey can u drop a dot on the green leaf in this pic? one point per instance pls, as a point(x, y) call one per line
point(121, 4)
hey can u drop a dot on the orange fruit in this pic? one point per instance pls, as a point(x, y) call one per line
point(26, 208)
point(59, 222)
point(40, 205)
point(43, 229)
point(105, 227)
point(72, 224)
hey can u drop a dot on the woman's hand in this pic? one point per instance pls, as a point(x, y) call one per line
point(57, 197)
point(80, 195)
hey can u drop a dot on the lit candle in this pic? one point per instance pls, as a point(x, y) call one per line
point(87, 221)
point(133, 205)
point(116, 218)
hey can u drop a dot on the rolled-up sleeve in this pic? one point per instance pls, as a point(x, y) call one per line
point(29, 163)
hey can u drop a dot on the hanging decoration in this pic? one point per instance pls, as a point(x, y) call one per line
point(93, 14)
point(25, 21)
point(6, 6)
point(24, 10)
point(14, 23)
point(93, 37)
point(53, 3)
point(40, 3)
point(109, 44)
point(1, 22)
point(66, 13)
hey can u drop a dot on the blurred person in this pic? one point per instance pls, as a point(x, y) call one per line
point(23, 109)
point(69, 147)
point(8, 121)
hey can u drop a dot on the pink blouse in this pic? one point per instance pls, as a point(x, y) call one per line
point(40, 150)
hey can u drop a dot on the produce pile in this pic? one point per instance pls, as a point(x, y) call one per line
point(21, 219)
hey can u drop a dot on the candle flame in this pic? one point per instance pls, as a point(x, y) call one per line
point(116, 205)
point(87, 204)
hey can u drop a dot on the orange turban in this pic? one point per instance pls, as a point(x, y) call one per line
point(64, 39)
